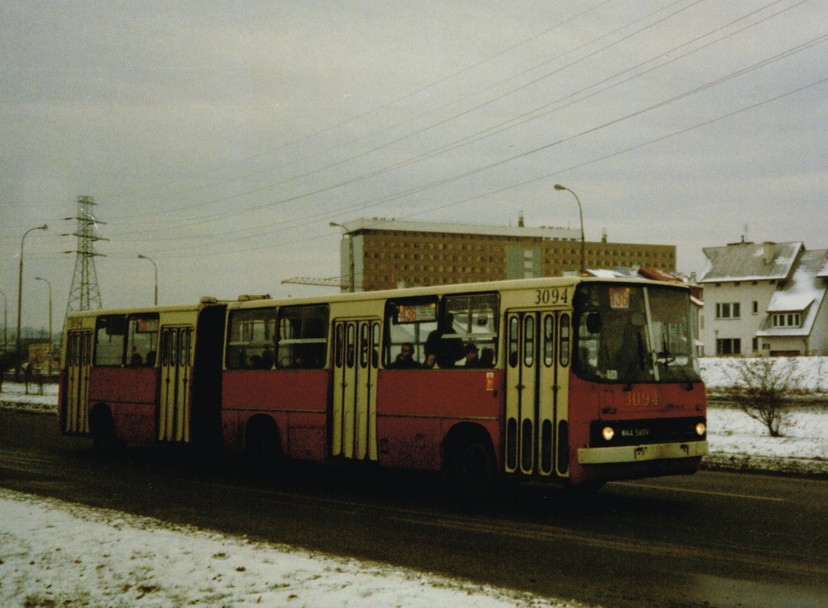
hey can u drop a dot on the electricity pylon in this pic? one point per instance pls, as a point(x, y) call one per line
point(85, 294)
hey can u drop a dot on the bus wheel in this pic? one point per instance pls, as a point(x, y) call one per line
point(104, 438)
point(470, 464)
point(261, 442)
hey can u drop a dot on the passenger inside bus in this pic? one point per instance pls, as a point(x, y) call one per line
point(405, 359)
point(447, 350)
point(472, 360)
point(487, 357)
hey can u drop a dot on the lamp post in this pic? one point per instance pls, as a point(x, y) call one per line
point(20, 295)
point(581, 213)
point(49, 355)
point(351, 281)
point(5, 323)
point(155, 267)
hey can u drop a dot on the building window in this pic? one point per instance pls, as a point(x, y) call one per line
point(755, 307)
point(787, 319)
point(728, 310)
point(728, 346)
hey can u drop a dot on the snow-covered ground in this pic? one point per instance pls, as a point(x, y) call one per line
point(54, 554)
point(59, 554)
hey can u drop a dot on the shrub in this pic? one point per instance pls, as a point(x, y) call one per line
point(762, 387)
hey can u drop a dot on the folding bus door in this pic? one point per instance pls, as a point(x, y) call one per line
point(536, 379)
point(174, 392)
point(76, 398)
point(354, 406)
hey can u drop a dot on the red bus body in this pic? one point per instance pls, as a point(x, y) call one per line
point(317, 379)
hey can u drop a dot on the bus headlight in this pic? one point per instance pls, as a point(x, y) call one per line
point(608, 433)
point(701, 429)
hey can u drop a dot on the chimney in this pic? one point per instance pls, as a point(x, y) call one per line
point(520, 220)
point(768, 252)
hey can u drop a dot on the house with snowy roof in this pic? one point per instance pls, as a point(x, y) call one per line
point(764, 299)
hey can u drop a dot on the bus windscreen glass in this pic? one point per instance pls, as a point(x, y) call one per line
point(634, 333)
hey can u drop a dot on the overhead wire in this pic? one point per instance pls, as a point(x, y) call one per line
point(683, 95)
point(285, 200)
point(373, 112)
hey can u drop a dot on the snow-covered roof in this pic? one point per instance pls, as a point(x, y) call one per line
point(823, 271)
point(803, 293)
point(750, 261)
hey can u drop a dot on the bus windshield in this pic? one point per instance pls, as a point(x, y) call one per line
point(634, 333)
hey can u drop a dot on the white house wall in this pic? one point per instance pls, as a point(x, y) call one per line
point(745, 327)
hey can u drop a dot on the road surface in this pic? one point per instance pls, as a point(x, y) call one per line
point(713, 539)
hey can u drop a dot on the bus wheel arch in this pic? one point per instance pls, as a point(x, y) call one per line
point(469, 459)
point(262, 440)
point(102, 429)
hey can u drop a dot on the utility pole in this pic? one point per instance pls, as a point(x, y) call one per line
point(85, 293)
point(19, 346)
point(51, 341)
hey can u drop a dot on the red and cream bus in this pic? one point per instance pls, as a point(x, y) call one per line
point(570, 379)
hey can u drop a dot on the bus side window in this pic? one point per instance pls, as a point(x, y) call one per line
point(250, 339)
point(474, 323)
point(142, 340)
point(303, 333)
point(110, 339)
point(408, 321)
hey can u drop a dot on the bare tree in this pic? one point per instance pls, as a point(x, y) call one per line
point(762, 387)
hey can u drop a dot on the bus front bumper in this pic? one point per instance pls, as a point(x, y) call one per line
point(641, 453)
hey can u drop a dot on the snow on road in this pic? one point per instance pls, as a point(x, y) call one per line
point(55, 554)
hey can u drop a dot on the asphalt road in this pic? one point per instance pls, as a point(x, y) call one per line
point(713, 539)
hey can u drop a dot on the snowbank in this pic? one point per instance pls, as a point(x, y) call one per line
point(61, 554)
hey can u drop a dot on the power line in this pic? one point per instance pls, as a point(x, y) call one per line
point(469, 139)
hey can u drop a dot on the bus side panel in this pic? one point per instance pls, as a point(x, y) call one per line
point(296, 400)
point(417, 408)
point(130, 396)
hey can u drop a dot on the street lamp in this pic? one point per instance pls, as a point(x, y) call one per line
point(20, 295)
point(155, 267)
point(5, 323)
point(49, 355)
point(581, 213)
point(351, 255)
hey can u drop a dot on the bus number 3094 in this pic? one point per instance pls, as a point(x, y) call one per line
point(551, 296)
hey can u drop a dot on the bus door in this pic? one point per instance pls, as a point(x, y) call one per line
point(78, 364)
point(536, 441)
point(354, 407)
point(174, 392)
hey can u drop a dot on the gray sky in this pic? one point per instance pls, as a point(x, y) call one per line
point(221, 138)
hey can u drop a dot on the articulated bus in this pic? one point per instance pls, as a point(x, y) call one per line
point(573, 380)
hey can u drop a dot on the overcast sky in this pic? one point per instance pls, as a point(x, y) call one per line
point(221, 138)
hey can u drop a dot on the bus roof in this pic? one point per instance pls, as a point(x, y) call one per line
point(248, 301)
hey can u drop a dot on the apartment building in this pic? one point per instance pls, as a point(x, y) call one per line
point(383, 254)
